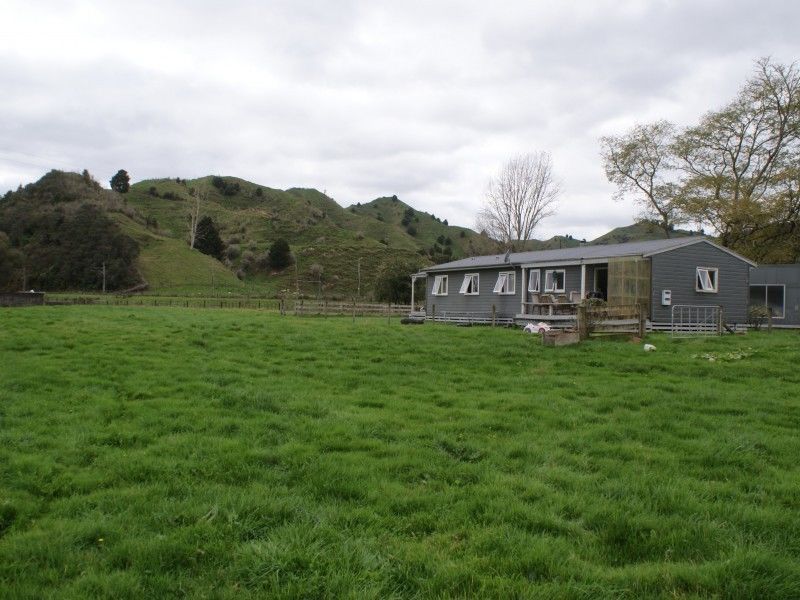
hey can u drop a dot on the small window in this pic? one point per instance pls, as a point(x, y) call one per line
point(554, 281)
point(706, 280)
point(440, 285)
point(470, 285)
point(506, 283)
point(533, 280)
point(771, 296)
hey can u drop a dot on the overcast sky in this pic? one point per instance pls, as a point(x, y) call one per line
point(425, 100)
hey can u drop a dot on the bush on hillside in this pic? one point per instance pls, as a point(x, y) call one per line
point(280, 255)
point(120, 182)
point(227, 189)
point(207, 239)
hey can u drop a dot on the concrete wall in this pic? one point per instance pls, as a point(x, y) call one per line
point(676, 270)
point(789, 277)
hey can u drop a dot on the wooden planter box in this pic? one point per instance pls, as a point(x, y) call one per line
point(560, 338)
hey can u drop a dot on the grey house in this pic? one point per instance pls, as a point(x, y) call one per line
point(548, 285)
point(778, 288)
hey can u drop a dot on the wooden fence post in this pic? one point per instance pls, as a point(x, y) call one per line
point(642, 321)
point(583, 325)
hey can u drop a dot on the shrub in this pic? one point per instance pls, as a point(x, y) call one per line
point(153, 191)
point(207, 239)
point(280, 255)
point(412, 231)
point(757, 316)
point(233, 252)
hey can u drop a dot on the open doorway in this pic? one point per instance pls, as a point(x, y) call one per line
point(601, 282)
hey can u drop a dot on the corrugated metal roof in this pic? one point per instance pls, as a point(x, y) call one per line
point(568, 254)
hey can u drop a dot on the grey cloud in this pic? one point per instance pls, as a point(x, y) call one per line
point(364, 99)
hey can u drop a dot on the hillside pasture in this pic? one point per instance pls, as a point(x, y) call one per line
point(160, 452)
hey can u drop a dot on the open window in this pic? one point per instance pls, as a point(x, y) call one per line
point(533, 280)
point(707, 280)
point(439, 285)
point(555, 280)
point(506, 283)
point(471, 285)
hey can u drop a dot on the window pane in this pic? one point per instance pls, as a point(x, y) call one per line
point(511, 281)
point(548, 281)
point(533, 281)
point(704, 280)
point(775, 300)
point(559, 281)
point(758, 295)
point(465, 284)
point(501, 282)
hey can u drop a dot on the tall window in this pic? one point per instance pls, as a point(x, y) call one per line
point(506, 283)
point(771, 296)
point(439, 285)
point(471, 285)
point(533, 280)
point(707, 280)
point(554, 281)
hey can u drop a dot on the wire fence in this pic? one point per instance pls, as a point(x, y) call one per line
point(283, 306)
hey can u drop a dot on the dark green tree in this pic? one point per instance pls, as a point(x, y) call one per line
point(121, 182)
point(207, 238)
point(393, 283)
point(10, 265)
point(280, 255)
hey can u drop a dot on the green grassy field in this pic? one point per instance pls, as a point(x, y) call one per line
point(157, 452)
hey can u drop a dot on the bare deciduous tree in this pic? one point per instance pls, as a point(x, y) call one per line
point(522, 194)
point(641, 162)
point(194, 216)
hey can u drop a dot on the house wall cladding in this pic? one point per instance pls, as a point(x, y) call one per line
point(506, 305)
point(572, 278)
point(676, 270)
point(788, 276)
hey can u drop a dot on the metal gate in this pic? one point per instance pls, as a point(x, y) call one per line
point(693, 319)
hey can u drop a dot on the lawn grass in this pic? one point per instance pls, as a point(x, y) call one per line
point(157, 452)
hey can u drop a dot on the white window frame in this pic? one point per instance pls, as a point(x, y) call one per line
point(534, 276)
point(713, 286)
point(549, 286)
point(766, 287)
point(472, 281)
point(506, 280)
point(439, 284)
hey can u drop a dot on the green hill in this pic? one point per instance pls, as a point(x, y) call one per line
point(320, 232)
point(338, 251)
point(638, 232)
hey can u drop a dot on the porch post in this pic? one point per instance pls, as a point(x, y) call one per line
point(524, 293)
point(583, 281)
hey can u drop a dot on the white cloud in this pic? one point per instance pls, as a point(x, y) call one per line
point(421, 99)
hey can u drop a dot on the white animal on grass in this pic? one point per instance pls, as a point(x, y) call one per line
point(649, 348)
